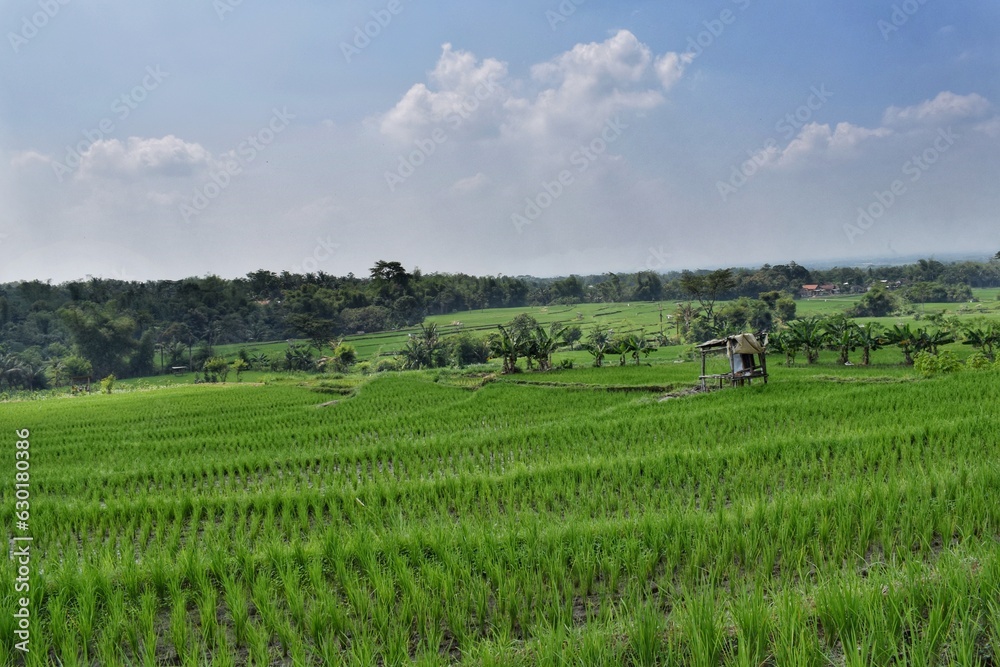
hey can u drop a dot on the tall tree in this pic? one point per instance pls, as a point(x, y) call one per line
point(707, 288)
point(102, 336)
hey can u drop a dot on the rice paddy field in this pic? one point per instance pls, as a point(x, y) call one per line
point(634, 316)
point(586, 517)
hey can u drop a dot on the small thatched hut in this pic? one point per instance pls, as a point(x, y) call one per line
point(747, 359)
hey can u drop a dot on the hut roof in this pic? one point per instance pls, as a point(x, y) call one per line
point(744, 343)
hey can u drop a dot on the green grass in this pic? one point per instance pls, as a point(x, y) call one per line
point(627, 316)
point(837, 515)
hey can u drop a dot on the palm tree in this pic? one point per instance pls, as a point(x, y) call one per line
point(932, 340)
point(808, 335)
point(870, 338)
point(904, 338)
point(983, 338)
point(842, 336)
point(298, 357)
point(641, 346)
point(508, 346)
point(619, 345)
point(10, 370)
point(597, 344)
point(543, 343)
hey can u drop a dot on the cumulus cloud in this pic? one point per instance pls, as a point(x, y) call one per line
point(576, 91)
point(166, 156)
point(946, 107)
point(462, 86)
point(844, 140)
point(816, 139)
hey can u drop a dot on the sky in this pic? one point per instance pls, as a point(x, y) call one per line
point(147, 141)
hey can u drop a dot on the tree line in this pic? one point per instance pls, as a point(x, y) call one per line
point(52, 333)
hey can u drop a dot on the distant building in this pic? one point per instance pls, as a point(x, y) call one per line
point(826, 289)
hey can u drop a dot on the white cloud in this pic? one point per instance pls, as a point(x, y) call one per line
point(670, 68)
point(990, 128)
point(844, 140)
point(166, 156)
point(946, 107)
point(471, 184)
point(463, 89)
point(817, 139)
point(575, 92)
point(29, 158)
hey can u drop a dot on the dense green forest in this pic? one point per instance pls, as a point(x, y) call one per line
point(50, 333)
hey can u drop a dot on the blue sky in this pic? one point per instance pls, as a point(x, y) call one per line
point(533, 137)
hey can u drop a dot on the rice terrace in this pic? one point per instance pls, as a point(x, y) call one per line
point(505, 485)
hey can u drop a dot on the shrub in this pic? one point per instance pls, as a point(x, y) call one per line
point(108, 384)
point(239, 366)
point(978, 361)
point(928, 364)
point(215, 368)
point(387, 364)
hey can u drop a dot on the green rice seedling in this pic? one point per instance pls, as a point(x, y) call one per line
point(363, 648)
point(646, 633)
point(208, 609)
point(699, 623)
point(238, 604)
point(58, 621)
point(86, 612)
point(258, 641)
point(795, 641)
point(754, 626)
point(963, 644)
point(109, 645)
point(180, 630)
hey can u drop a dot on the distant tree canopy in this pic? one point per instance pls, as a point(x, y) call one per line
point(130, 328)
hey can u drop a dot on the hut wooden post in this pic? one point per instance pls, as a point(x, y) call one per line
point(703, 355)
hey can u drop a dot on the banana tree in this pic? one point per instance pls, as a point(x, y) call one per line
point(507, 346)
point(544, 343)
point(870, 339)
point(597, 344)
point(809, 336)
point(842, 336)
point(983, 338)
point(903, 337)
